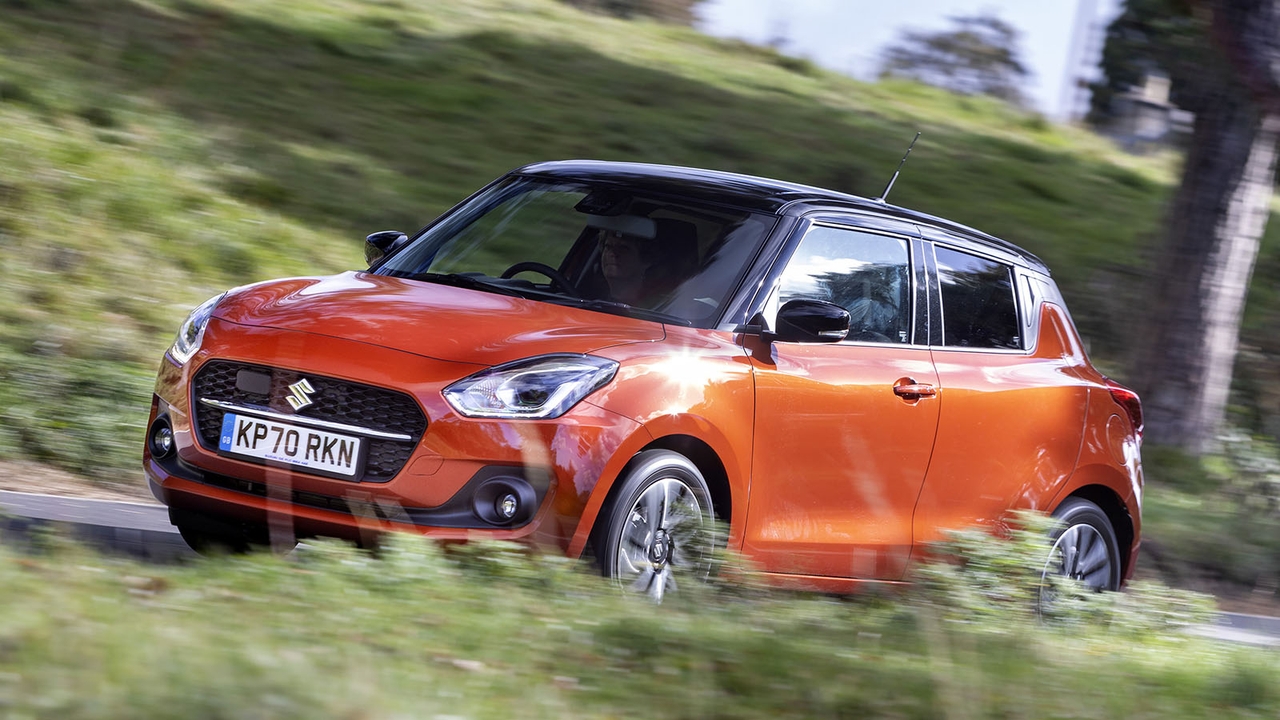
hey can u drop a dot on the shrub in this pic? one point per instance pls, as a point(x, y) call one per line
point(99, 116)
point(996, 582)
point(1218, 517)
point(12, 91)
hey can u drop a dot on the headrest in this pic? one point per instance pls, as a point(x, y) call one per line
point(677, 240)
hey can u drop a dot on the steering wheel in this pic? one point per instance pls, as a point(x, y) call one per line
point(542, 269)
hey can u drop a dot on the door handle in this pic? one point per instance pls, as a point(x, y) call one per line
point(914, 391)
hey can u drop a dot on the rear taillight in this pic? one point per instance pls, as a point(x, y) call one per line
point(1128, 400)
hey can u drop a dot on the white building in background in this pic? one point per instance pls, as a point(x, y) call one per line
point(1145, 118)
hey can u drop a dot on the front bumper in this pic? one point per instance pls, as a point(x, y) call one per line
point(558, 461)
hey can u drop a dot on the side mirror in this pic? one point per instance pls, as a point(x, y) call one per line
point(383, 243)
point(813, 321)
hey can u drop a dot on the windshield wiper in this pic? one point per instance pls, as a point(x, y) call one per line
point(474, 282)
point(471, 282)
point(621, 308)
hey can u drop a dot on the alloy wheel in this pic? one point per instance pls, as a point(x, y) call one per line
point(660, 536)
point(1079, 553)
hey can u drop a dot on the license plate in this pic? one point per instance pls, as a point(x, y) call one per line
point(316, 450)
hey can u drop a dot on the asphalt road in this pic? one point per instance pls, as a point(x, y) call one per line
point(143, 531)
point(140, 530)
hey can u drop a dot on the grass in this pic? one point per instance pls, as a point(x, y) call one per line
point(492, 632)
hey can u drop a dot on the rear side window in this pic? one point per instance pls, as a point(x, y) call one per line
point(978, 307)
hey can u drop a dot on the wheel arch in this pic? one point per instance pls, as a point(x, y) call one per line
point(704, 457)
point(1111, 504)
point(698, 452)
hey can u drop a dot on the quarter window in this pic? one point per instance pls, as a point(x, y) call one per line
point(978, 308)
point(864, 273)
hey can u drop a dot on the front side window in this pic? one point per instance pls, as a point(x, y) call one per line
point(867, 274)
point(601, 247)
point(978, 307)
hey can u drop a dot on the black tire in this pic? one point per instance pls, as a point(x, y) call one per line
point(212, 536)
point(641, 554)
point(1084, 545)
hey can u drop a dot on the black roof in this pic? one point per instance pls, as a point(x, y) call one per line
point(749, 193)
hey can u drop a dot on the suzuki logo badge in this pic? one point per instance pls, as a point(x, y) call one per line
point(300, 394)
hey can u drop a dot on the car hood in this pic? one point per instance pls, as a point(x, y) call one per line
point(437, 321)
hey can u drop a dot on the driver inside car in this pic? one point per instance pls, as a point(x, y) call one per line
point(625, 261)
point(644, 271)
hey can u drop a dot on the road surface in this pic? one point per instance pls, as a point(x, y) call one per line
point(141, 530)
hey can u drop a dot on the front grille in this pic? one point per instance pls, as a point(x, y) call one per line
point(334, 400)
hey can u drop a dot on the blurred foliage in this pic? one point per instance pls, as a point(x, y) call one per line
point(496, 631)
point(1216, 520)
point(988, 580)
point(1248, 469)
point(98, 421)
point(978, 57)
point(975, 576)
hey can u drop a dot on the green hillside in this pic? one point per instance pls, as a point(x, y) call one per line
point(154, 152)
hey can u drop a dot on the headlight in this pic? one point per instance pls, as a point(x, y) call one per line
point(192, 331)
point(536, 388)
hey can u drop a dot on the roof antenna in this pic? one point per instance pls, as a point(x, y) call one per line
point(894, 179)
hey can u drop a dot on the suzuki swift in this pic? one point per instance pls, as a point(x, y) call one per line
point(603, 358)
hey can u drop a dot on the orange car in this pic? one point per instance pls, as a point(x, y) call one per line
point(602, 357)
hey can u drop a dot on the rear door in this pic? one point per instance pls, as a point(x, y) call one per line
point(839, 456)
point(1012, 404)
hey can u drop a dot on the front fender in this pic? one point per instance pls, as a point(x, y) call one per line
point(695, 383)
point(654, 433)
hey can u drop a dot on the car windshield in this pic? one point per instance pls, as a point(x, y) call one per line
point(601, 247)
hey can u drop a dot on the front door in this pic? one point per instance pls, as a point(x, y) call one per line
point(840, 451)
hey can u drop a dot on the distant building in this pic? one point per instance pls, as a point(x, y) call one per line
point(1145, 119)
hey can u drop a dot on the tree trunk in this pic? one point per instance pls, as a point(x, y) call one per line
point(1187, 350)
point(1203, 271)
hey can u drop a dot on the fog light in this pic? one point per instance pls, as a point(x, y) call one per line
point(161, 440)
point(504, 500)
point(507, 505)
